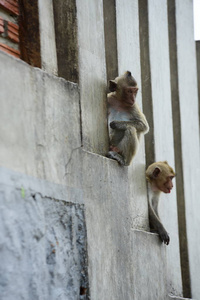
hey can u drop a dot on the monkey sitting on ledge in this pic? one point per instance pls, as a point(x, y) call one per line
point(126, 121)
point(159, 176)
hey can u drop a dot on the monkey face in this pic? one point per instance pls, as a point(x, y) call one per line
point(129, 95)
point(166, 186)
point(125, 88)
point(160, 176)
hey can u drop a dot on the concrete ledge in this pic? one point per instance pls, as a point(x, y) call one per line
point(178, 298)
point(46, 189)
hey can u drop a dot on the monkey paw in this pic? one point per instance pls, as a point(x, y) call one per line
point(114, 155)
point(113, 125)
point(164, 237)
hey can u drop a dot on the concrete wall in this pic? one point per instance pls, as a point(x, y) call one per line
point(37, 143)
point(74, 223)
point(43, 239)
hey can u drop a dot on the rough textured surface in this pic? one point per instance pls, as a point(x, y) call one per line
point(163, 131)
point(29, 33)
point(43, 240)
point(109, 11)
point(187, 80)
point(66, 39)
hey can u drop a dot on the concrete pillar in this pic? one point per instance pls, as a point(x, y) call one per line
point(178, 150)
point(198, 72)
point(66, 39)
point(109, 10)
point(188, 99)
point(128, 46)
point(163, 130)
point(92, 75)
point(47, 36)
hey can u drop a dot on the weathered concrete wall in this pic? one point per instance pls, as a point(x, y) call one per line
point(43, 236)
point(187, 80)
point(65, 18)
point(43, 239)
point(163, 130)
point(120, 258)
point(36, 139)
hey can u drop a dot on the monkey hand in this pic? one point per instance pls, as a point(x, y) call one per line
point(113, 125)
point(164, 236)
point(119, 125)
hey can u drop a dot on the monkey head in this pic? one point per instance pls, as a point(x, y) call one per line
point(160, 176)
point(125, 89)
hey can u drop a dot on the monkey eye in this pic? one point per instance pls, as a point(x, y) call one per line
point(171, 177)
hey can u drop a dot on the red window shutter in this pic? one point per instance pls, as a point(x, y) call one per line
point(21, 40)
point(11, 6)
point(9, 50)
point(9, 30)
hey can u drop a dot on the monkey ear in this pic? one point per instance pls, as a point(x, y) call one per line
point(156, 172)
point(112, 86)
point(128, 73)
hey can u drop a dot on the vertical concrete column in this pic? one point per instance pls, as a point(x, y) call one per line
point(198, 72)
point(66, 39)
point(109, 10)
point(128, 45)
point(146, 80)
point(178, 150)
point(188, 100)
point(92, 75)
point(163, 130)
point(47, 36)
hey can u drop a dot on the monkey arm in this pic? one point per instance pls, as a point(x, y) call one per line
point(139, 120)
point(139, 125)
point(121, 125)
point(155, 223)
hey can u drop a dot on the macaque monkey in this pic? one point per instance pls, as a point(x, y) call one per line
point(159, 176)
point(126, 121)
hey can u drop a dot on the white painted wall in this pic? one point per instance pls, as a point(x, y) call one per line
point(187, 75)
point(163, 130)
point(128, 46)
